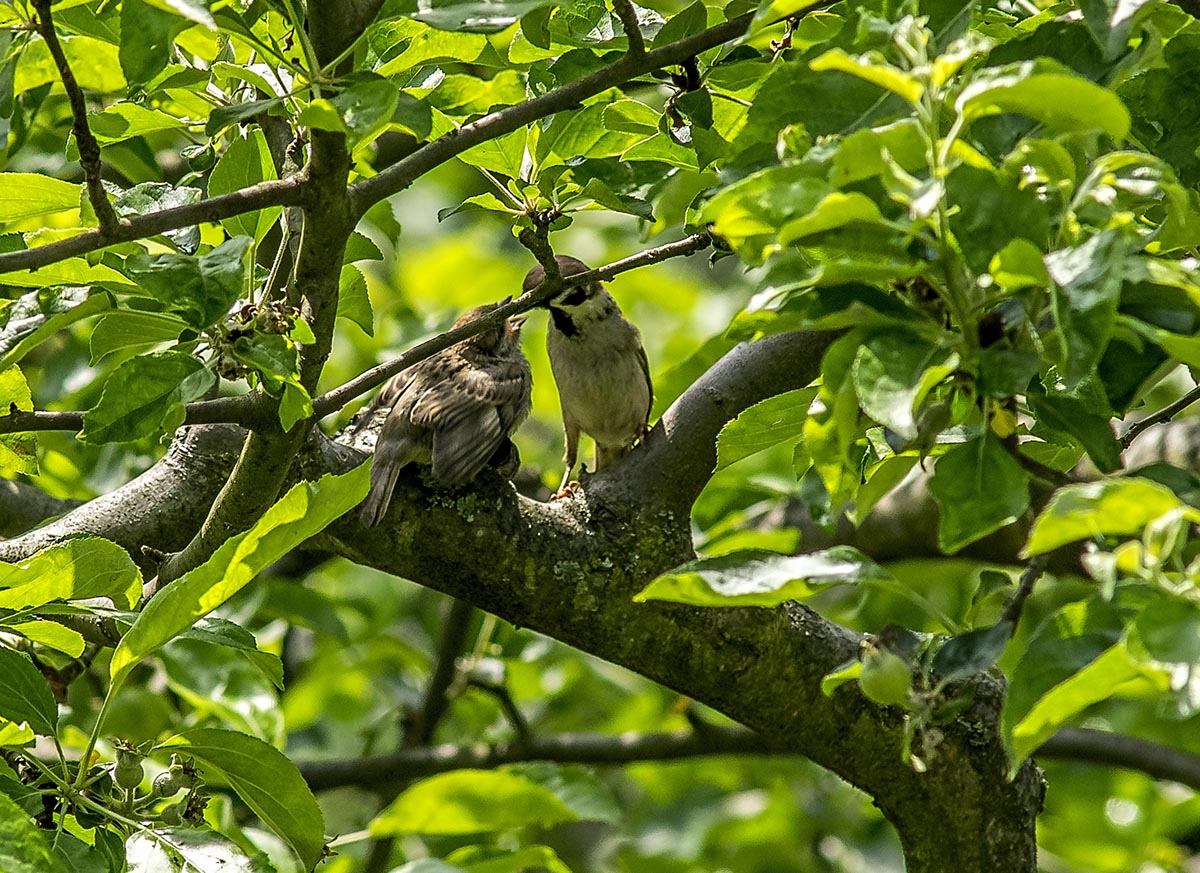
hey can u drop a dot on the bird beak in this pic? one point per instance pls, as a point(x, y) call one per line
point(517, 322)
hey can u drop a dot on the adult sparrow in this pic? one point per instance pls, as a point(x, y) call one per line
point(598, 361)
point(452, 410)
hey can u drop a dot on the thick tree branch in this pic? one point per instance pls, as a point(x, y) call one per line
point(89, 149)
point(408, 169)
point(386, 772)
point(22, 506)
point(283, 192)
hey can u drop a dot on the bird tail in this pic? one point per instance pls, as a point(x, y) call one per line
point(383, 482)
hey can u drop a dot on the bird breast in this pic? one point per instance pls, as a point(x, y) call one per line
point(601, 384)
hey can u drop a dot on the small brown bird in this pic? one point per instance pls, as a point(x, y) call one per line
point(600, 366)
point(453, 410)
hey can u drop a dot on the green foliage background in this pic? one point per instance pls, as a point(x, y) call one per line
point(922, 183)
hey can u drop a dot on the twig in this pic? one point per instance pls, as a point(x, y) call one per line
point(364, 382)
point(632, 27)
point(89, 149)
point(538, 243)
point(275, 192)
point(1165, 414)
point(597, 749)
point(507, 705)
point(455, 624)
point(1101, 747)
point(1016, 604)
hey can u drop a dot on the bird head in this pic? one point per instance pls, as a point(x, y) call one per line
point(506, 334)
point(571, 298)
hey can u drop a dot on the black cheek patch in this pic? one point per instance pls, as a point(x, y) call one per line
point(563, 322)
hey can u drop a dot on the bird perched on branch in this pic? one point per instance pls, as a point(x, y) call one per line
point(452, 410)
point(600, 366)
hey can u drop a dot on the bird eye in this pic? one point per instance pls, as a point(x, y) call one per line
point(574, 297)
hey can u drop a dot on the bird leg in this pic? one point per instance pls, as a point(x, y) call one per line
point(567, 488)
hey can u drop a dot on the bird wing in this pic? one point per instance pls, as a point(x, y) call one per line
point(460, 395)
point(459, 452)
point(645, 362)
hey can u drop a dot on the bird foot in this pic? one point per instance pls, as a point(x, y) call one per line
point(566, 491)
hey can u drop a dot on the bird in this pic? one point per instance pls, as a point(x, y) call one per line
point(452, 410)
point(600, 367)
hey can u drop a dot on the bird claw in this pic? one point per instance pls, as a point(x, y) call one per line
point(566, 491)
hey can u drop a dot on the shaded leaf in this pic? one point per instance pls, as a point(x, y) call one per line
point(145, 396)
point(24, 694)
point(756, 578)
point(979, 487)
point(265, 779)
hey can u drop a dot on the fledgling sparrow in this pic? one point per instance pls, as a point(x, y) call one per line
point(452, 410)
point(600, 366)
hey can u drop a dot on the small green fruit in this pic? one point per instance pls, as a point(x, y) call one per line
point(886, 677)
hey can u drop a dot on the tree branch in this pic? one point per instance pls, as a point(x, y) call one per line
point(632, 27)
point(1102, 747)
point(410, 168)
point(1016, 605)
point(281, 192)
point(386, 771)
point(89, 149)
point(1165, 414)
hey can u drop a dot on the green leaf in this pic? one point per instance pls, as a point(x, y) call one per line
point(131, 329)
point(1113, 507)
point(24, 847)
point(361, 111)
point(971, 653)
point(147, 35)
point(76, 569)
point(1086, 291)
point(504, 154)
point(893, 372)
point(246, 162)
point(18, 451)
point(690, 20)
point(146, 395)
point(156, 196)
point(763, 425)
point(304, 511)
point(469, 802)
point(485, 202)
point(873, 70)
point(979, 487)
point(265, 780)
point(35, 317)
point(477, 16)
point(201, 288)
point(28, 195)
point(353, 301)
point(123, 121)
point(839, 676)
point(24, 694)
point(222, 632)
point(48, 633)
point(757, 578)
point(1076, 419)
point(1063, 101)
point(224, 116)
point(581, 788)
point(1167, 631)
point(1113, 674)
point(164, 849)
point(71, 271)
